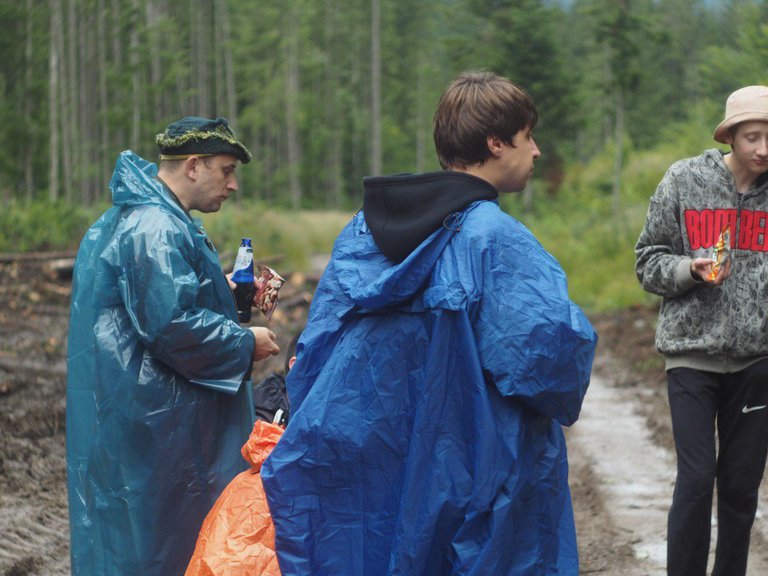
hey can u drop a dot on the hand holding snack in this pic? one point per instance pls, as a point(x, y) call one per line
point(268, 284)
point(715, 269)
point(720, 253)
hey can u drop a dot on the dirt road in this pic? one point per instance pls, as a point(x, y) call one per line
point(622, 464)
point(623, 458)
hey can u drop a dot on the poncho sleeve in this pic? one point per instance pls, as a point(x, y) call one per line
point(534, 343)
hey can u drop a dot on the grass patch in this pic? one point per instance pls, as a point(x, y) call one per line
point(295, 236)
point(41, 226)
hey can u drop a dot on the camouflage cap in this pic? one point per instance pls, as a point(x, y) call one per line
point(196, 136)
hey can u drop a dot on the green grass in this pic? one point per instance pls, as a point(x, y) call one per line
point(293, 236)
point(43, 226)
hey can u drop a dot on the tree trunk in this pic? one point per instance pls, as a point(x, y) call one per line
point(86, 135)
point(291, 106)
point(226, 98)
point(104, 137)
point(200, 61)
point(69, 89)
point(376, 154)
point(229, 65)
point(618, 153)
point(118, 63)
point(53, 101)
point(333, 177)
point(136, 87)
point(155, 63)
point(219, 40)
point(528, 197)
point(29, 151)
point(421, 144)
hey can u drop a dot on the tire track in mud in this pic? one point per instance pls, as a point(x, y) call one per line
point(34, 530)
point(35, 539)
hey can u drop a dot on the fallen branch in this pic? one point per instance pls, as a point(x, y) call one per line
point(65, 291)
point(14, 364)
point(7, 257)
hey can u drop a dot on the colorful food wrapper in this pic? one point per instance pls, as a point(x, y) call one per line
point(721, 252)
point(266, 296)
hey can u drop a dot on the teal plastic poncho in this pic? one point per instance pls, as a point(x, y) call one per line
point(427, 402)
point(157, 406)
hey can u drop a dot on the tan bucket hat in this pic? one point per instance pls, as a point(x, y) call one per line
point(749, 103)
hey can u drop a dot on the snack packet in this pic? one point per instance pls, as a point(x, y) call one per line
point(266, 296)
point(721, 252)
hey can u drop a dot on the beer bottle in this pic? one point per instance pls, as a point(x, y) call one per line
point(242, 276)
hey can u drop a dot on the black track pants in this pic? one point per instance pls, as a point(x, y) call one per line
point(737, 404)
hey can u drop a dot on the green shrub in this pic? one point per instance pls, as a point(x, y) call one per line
point(43, 226)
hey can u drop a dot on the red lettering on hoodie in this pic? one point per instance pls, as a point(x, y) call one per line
point(704, 226)
point(692, 227)
point(758, 230)
point(745, 229)
point(723, 218)
point(707, 224)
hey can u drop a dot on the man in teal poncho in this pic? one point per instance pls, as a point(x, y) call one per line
point(441, 357)
point(159, 399)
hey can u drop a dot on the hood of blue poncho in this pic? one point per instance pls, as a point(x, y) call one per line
point(386, 254)
point(403, 210)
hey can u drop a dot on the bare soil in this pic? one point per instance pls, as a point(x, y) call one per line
point(618, 533)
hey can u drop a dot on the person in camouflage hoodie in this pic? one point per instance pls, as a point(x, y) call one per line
point(704, 250)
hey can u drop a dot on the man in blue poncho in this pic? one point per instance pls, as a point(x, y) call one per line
point(159, 399)
point(441, 357)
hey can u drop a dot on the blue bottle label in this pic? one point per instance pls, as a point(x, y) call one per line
point(243, 269)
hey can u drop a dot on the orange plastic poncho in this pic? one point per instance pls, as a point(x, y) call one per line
point(237, 537)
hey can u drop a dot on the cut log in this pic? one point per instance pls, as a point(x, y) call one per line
point(59, 269)
point(36, 256)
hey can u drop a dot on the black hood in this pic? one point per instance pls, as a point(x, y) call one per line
point(403, 210)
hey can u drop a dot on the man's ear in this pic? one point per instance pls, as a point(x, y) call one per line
point(190, 167)
point(495, 145)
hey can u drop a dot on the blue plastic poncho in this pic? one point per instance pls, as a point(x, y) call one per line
point(428, 398)
point(157, 409)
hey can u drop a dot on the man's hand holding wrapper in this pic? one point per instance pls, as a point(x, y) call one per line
point(268, 284)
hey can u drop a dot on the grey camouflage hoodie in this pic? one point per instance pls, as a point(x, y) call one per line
point(695, 200)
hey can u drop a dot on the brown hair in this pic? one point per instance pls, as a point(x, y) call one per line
point(475, 106)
